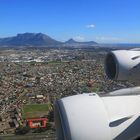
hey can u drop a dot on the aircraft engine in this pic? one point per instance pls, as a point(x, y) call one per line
point(123, 65)
point(90, 117)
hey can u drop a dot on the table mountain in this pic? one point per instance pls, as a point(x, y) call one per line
point(29, 39)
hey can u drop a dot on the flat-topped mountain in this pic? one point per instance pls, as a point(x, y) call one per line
point(29, 39)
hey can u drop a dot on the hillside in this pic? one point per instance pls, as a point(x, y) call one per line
point(72, 42)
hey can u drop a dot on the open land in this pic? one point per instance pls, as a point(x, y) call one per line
point(35, 110)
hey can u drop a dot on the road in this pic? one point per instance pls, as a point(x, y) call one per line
point(40, 136)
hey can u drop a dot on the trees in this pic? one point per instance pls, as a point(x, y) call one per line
point(21, 130)
point(48, 126)
point(50, 116)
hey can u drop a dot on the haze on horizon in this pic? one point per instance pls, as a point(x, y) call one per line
point(103, 21)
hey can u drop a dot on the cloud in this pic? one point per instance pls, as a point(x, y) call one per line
point(90, 26)
point(108, 38)
point(79, 38)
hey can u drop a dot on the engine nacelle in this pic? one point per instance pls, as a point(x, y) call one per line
point(90, 117)
point(123, 65)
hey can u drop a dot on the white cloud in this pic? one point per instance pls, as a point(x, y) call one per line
point(90, 26)
point(79, 38)
point(108, 38)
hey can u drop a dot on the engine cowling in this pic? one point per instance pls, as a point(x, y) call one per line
point(123, 65)
point(90, 117)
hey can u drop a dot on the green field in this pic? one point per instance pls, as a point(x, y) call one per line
point(34, 111)
point(54, 63)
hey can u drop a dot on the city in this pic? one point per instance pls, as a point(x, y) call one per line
point(32, 80)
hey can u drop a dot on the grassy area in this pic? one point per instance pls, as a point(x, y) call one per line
point(55, 63)
point(33, 111)
point(95, 88)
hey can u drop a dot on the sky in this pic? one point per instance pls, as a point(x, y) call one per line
point(104, 21)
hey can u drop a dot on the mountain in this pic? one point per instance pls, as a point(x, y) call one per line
point(72, 42)
point(41, 40)
point(29, 39)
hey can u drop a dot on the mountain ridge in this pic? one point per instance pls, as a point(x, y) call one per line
point(38, 39)
point(72, 41)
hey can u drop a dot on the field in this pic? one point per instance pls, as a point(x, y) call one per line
point(34, 111)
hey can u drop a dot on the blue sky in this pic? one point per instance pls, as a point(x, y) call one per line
point(104, 21)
